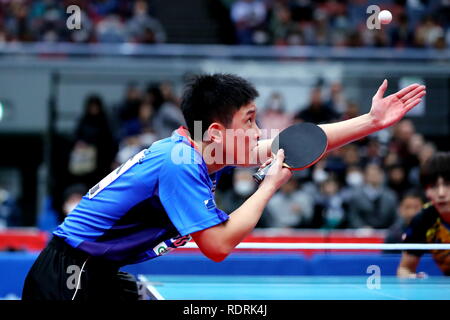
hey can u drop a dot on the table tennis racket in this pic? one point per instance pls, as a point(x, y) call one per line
point(304, 144)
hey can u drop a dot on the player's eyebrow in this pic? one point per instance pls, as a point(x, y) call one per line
point(250, 112)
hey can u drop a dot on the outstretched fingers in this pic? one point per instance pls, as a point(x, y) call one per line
point(418, 91)
point(402, 93)
point(412, 104)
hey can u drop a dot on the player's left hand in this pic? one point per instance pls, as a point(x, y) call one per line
point(388, 110)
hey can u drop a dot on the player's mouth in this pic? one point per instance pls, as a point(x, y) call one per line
point(442, 204)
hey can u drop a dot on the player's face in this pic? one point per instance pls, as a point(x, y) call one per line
point(439, 195)
point(242, 136)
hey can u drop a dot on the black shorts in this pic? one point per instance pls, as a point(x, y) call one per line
point(64, 273)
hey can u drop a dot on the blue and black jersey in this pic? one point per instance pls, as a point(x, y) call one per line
point(146, 207)
point(429, 227)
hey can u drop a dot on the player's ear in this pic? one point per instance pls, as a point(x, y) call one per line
point(215, 133)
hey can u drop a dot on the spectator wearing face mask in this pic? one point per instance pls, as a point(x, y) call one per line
point(354, 177)
point(373, 205)
point(243, 187)
point(290, 207)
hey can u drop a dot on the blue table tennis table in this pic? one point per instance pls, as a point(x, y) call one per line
point(232, 287)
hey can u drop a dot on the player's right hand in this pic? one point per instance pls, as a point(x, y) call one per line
point(418, 275)
point(277, 174)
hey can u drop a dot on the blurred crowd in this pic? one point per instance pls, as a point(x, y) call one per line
point(338, 23)
point(341, 23)
point(372, 183)
point(106, 21)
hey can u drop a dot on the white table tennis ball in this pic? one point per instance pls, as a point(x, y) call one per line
point(385, 16)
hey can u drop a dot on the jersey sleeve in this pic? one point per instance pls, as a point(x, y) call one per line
point(416, 233)
point(185, 193)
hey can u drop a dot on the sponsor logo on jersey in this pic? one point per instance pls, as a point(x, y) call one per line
point(176, 242)
point(210, 204)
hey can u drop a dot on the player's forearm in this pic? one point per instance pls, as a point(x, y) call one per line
point(243, 220)
point(344, 132)
point(408, 266)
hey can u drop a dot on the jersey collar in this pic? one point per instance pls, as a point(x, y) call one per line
point(183, 131)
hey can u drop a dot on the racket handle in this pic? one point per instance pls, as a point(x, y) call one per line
point(261, 173)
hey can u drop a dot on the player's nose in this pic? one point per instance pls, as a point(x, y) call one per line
point(258, 132)
point(441, 190)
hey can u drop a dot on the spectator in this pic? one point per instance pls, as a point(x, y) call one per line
point(128, 108)
point(354, 177)
point(169, 117)
point(317, 112)
point(290, 207)
point(401, 34)
point(351, 111)
point(50, 218)
point(10, 214)
point(350, 155)
point(248, 16)
point(137, 133)
point(154, 96)
point(111, 30)
point(17, 23)
point(410, 205)
point(426, 152)
point(404, 131)
point(427, 33)
point(142, 124)
point(274, 115)
point(337, 100)
point(95, 147)
point(397, 180)
point(102, 8)
point(284, 30)
point(83, 35)
point(371, 152)
point(330, 207)
point(373, 205)
point(335, 164)
point(143, 28)
point(243, 187)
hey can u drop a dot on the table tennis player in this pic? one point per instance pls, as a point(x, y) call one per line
point(157, 201)
point(432, 223)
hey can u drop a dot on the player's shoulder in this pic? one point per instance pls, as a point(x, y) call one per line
point(425, 217)
point(429, 211)
point(182, 158)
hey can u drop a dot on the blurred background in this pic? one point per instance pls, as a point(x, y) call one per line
point(75, 104)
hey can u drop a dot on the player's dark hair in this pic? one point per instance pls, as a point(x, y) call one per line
point(436, 166)
point(215, 97)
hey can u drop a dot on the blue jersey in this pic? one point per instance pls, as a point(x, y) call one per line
point(146, 207)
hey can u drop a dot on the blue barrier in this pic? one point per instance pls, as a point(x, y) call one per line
point(14, 266)
point(13, 270)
